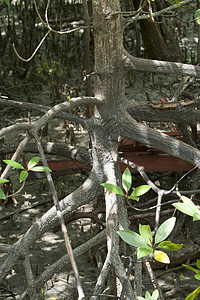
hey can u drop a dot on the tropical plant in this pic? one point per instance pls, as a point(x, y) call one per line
point(148, 296)
point(127, 184)
point(146, 244)
point(31, 166)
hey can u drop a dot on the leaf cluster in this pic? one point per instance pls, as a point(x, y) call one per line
point(31, 166)
point(127, 183)
point(146, 244)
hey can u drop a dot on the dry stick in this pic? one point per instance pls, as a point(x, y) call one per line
point(153, 279)
point(65, 261)
point(61, 219)
point(87, 51)
point(158, 211)
point(74, 102)
point(147, 264)
point(130, 267)
point(35, 51)
point(121, 274)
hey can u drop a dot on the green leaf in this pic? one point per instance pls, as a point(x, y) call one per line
point(132, 238)
point(133, 197)
point(197, 15)
point(187, 201)
point(8, 3)
point(41, 169)
point(13, 164)
point(184, 208)
point(42, 294)
point(188, 208)
point(113, 188)
point(191, 269)
point(193, 294)
point(167, 245)
point(197, 276)
point(140, 190)
point(126, 180)
point(155, 295)
point(145, 232)
point(2, 195)
point(161, 257)
point(2, 180)
point(148, 296)
point(196, 216)
point(164, 230)
point(144, 251)
point(23, 175)
point(33, 162)
point(198, 263)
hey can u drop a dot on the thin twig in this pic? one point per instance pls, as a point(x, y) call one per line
point(35, 51)
point(143, 174)
point(61, 218)
point(47, 25)
point(130, 267)
point(157, 13)
point(41, 108)
point(158, 211)
point(153, 279)
point(18, 191)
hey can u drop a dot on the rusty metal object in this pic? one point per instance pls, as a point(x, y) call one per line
point(151, 158)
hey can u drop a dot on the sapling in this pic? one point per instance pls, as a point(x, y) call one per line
point(31, 166)
point(144, 242)
point(127, 184)
point(147, 244)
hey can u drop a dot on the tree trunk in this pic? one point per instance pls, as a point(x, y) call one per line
point(109, 86)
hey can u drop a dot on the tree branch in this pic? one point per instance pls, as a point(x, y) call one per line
point(59, 149)
point(72, 103)
point(166, 112)
point(152, 138)
point(158, 66)
point(4, 101)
